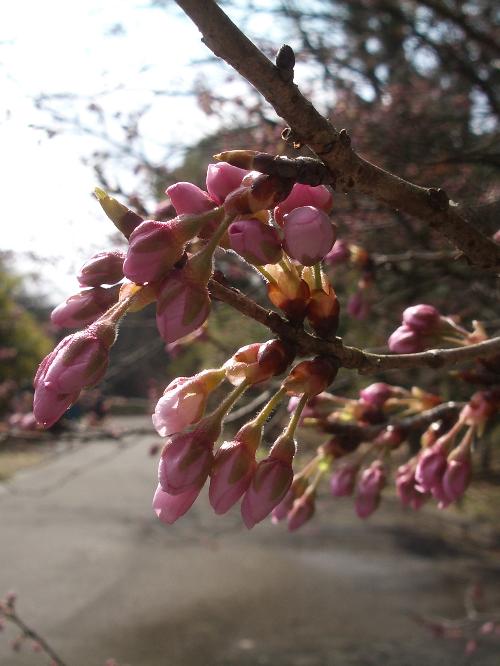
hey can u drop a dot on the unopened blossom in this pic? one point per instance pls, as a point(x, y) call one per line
point(270, 482)
point(169, 508)
point(189, 198)
point(406, 487)
point(458, 472)
point(311, 377)
point(339, 254)
point(302, 510)
point(83, 308)
point(258, 362)
point(296, 490)
point(323, 311)
point(257, 243)
point(233, 468)
point(183, 305)
point(184, 400)
point(370, 485)
point(102, 268)
point(304, 195)
point(422, 318)
point(309, 235)
point(155, 247)
point(376, 394)
point(431, 466)
point(343, 479)
point(406, 340)
point(187, 457)
point(223, 178)
point(264, 193)
point(79, 361)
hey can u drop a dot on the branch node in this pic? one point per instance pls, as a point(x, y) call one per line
point(438, 199)
point(285, 62)
point(292, 138)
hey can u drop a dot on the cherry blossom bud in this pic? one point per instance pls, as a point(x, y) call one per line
point(189, 198)
point(290, 294)
point(424, 319)
point(184, 400)
point(496, 236)
point(83, 308)
point(406, 340)
point(258, 362)
point(223, 178)
point(309, 235)
point(296, 490)
point(311, 377)
point(457, 475)
point(187, 457)
point(339, 254)
point(323, 312)
point(233, 468)
point(406, 487)
point(183, 305)
point(270, 483)
point(431, 466)
point(358, 306)
point(304, 195)
point(376, 394)
point(124, 219)
point(391, 437)
point(169, 508)
point(264, 193)
point(102, 268)
point(302, 510)
point(343, 479)
point(79, 361)
point(370, 484)
point(257, 243)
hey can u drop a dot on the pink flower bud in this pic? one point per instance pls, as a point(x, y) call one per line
point(270, 483)
point(84, 308)
point(309, 235)
point(339, 254)
point(457, 475)
point(257, 243)
point(183, 306)
point(376, 394)
point(302, 511)
point(422, 318)
point(358, 306)
point(79, 361)
point(431, 467)
point(187, 458)
point(365, 505)
point(406, 488)
point(223, 178)
point(343, 479)
point(183, 401)
point(304, 195)
point(296, 490)
point(372, 479)
point(496, 236)
point(406, 340)
point(102, 268)
point(189, 198)
point(311, 377)
point(169, 508)
point(257, 362)
point(233, 468)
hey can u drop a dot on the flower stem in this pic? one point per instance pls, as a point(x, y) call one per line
point(294, 421)
point(268, 409)
point(318, 278)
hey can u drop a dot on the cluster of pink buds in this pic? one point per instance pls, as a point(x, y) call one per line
point(423, 327)
point(188, 458)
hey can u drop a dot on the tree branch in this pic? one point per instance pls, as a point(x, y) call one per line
point(349, 170)
point(349, 357)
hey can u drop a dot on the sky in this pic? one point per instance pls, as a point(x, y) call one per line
point(86, 48)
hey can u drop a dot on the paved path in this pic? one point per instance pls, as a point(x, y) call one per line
point(100, 577)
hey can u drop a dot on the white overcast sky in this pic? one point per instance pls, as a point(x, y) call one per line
point(59, 46)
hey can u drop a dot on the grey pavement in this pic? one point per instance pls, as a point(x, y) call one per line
point(100, 577)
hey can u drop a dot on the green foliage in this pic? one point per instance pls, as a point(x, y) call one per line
point(23, 342)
